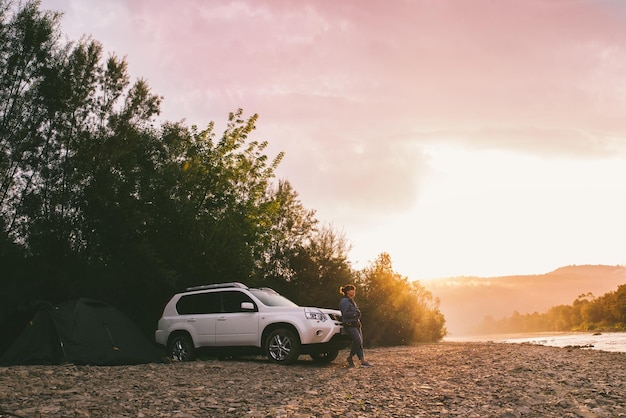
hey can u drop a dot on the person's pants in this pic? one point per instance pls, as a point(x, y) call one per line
point(357, 341)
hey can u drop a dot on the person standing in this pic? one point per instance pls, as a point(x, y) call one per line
point(351, 318)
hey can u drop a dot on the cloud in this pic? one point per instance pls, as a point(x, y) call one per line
point(542, 141)
point(357, 92)
point(437, 65)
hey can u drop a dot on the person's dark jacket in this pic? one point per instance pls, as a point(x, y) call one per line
point(350, 312)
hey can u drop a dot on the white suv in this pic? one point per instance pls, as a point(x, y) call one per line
point(231, 319)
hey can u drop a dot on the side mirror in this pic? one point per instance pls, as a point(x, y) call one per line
point(247, 306)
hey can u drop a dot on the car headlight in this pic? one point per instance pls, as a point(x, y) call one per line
point(315, 314)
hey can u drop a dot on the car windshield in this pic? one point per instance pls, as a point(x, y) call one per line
point(270, 298)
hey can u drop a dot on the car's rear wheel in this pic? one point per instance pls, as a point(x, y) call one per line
point(324, 357)
point(282, 346)
point(180, 348)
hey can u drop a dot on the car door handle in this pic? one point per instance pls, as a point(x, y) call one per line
point(222, 318)
point(191, 320)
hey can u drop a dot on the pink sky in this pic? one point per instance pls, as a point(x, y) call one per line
point(463, 137)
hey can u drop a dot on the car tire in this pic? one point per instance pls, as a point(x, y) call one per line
point(282, 346)
point(181, 348)
point(324, 358)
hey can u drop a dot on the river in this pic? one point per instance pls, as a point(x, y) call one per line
point(605, 341)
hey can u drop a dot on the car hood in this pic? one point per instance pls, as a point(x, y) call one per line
point(330, 311)
point(335, 312)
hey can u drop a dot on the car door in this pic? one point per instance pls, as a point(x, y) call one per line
point(200, 312)
point(236, 326)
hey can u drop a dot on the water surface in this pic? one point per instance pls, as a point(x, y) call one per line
point(605, 341)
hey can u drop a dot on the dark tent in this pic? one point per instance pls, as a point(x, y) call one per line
point(81, 331)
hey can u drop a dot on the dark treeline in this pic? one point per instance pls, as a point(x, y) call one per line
point(99, 200)
point(586, 313)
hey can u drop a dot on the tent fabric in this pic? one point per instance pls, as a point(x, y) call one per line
point(82, 332)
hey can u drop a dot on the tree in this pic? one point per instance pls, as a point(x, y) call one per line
point(290, 229)
point(27, 48)
point(394, 310)
point(619, 306)
point(322, 268)
point(220, 192)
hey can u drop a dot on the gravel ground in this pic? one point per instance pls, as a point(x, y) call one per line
point(430, 380)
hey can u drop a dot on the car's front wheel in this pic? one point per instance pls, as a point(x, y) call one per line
point(324, 357)
point(282, 346)
point(180, 348)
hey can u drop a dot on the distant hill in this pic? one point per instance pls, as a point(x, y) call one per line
point(465, 301)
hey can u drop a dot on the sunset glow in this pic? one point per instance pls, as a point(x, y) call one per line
point(463, 137)
point(497, 213)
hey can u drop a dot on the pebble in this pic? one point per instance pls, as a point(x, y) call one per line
point(427, 380)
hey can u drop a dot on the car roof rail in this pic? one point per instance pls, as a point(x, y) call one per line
point(217, 286)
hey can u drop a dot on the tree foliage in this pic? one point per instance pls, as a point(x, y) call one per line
point(584, 314)
point(99, 199)
point(396, 311)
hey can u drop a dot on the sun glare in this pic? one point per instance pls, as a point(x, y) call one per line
point(488, 213)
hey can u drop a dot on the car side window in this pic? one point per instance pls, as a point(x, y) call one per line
point(231, 301)
point(199, 303)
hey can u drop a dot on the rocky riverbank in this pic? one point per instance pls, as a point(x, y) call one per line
point(431, 380)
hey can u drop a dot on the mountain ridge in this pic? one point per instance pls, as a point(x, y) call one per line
point(466, 300)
